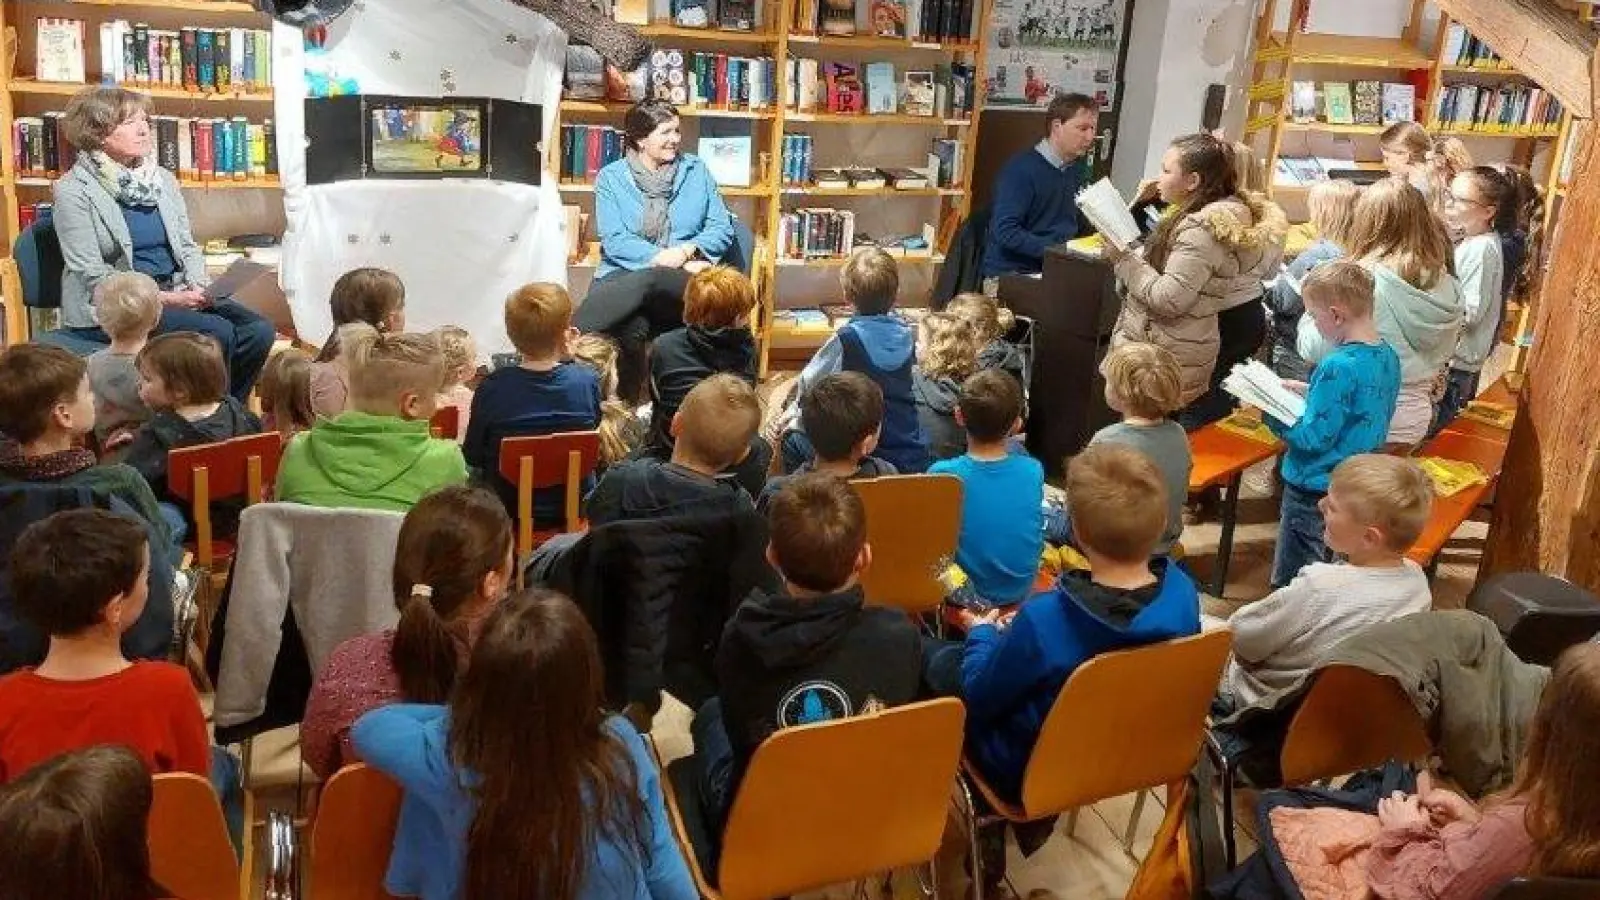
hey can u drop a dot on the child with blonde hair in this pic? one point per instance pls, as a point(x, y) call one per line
point(127, 307)
point(1349, 404)
point(1423, 161)
point(621, 432)
point(992, 323)
point(1417, 302)
point(1375, 509)
point(285, 393)
point(460, 367)
point(376, 297)
point(546, 392)
point(1332, 205)
point(379, 453)
point(947, 352)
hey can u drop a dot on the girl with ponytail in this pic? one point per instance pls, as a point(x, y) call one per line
point(523, 787)
point(452, 563)
point(1427, 163)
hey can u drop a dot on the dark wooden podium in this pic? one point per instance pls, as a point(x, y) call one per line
point(1074, 306)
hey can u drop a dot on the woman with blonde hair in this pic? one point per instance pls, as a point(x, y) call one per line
point(1332, 206)
point(1423, 161)
point(1416, 299)
point(947, 352)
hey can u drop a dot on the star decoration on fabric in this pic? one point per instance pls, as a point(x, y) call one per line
point(385, 239)
point(395, 55)
point(449, 87)
point(352, 239)
point(447, 75)
point(512, 39)
point(513, 238)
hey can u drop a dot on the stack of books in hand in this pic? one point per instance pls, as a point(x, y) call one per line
point(1256, 385)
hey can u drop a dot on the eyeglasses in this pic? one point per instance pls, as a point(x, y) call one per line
point(1465, 201)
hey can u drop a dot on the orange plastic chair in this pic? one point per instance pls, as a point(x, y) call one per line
point(912, 524)
point(544, 461)
point(836, 801)
point(446, 422)
point(190, 853)
point(353, 835)
point(1125, 721)
point(241, 466)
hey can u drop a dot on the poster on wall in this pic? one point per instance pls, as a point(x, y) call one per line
point(1039, 48)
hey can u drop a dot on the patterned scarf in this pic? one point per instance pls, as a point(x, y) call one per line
point(42, 468)
point(656, 225)
point(139, 186)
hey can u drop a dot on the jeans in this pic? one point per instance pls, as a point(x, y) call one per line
point(1057, 525)
point(941, 666)
point(633, 307)
point(795, 450)
point(1300, 534)
point(1459, 389)
point(714, 752)
point(244, 336)
point(177, 523)
point(1241, 331)
point(227, 781)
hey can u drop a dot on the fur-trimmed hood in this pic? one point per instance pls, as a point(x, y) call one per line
point(1247, 221)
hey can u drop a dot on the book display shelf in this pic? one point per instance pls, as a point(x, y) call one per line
point(825, 167)
point(206, 65)
point(1455, 86)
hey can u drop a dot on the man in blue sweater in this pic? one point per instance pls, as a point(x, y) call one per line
point(1034, 196)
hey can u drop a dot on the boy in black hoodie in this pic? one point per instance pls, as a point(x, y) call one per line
point(715, 339)
point(813, 653)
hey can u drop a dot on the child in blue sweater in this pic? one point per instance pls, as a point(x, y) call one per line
point(878, 344)
point(1002, 491)
point(525, 730)
point(1349, 402)
point(1016, 663)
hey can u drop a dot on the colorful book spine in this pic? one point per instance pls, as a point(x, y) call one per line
point(222, 52)
point(206, 54)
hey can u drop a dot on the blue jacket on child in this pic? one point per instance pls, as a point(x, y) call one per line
point(1010, 678)
point(884, 349)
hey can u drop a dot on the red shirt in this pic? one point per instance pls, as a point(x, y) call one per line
point(150, 707)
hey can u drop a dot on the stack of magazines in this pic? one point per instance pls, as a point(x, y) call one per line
point(1258, 386)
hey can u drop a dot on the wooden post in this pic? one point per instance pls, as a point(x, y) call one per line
point(1547, 506)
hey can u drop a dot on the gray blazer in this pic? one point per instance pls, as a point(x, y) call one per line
point(95, 241)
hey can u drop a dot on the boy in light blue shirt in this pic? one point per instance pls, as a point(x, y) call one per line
point(1349, 403)
point(1001, 491)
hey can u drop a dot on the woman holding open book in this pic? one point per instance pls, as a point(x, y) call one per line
point(117, 209)
point(1196, 289)
point(660, 220)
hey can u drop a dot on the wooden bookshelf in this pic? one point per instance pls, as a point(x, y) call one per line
point(768, 195)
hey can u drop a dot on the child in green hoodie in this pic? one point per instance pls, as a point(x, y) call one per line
point(377, 454)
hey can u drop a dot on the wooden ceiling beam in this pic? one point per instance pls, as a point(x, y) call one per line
point(1539, 39)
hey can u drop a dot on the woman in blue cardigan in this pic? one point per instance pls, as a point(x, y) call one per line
point(116, 209)
point(660, 220)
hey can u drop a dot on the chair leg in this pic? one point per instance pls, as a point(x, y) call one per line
point(975, 853)
point(1228, 771)
point(1133, 820)
point(247, 844)
point(930, 885)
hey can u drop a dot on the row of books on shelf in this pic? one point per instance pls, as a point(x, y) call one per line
point(816, 232)
point(917, 20)
point(946, 91)
point(586, 149)
point(1462, 49)
point(829, 316)
point(945, 167)
point(729, 15)
point(28, 213)
point(1304, 171)
point(192, 148)
point(1504, 108)
point(1353, 103)
point(197, 59)
point(680, 77)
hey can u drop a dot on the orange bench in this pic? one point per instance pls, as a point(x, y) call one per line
point(1487, 453)
point(1220, 458)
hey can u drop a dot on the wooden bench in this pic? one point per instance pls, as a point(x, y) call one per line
point(1472, 445)
point(1220, 459)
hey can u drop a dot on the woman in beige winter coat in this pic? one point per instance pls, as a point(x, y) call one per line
point(1197, 288)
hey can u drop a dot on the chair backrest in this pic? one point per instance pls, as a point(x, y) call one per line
point(1125, 720)
point(741, 255)
point(190, 852)
point(1351, 719)
point(446, 422)
point(833, 802)
point(237, 467)
point(543, 461)
point(912, 525)
point(37, 251)
point(353, 834)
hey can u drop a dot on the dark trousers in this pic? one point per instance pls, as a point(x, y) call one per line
point(1242, 329)
point(714, 752)
point(1300, 534)
point(1460, 388)
point(633, 308)
point(244, 336)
